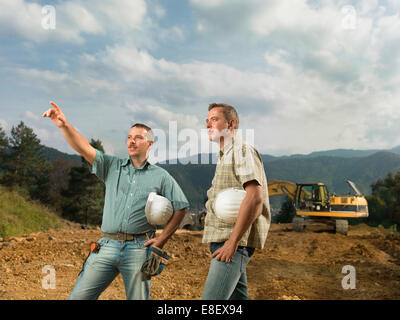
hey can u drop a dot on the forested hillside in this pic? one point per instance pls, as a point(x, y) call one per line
point(63, 182)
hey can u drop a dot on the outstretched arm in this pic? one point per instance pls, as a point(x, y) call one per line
point(73, 137)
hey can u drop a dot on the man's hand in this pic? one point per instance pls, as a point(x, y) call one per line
point(55, 115)
point(168, 230)
point(73, 137)
point(155, 242)
point(226, 252)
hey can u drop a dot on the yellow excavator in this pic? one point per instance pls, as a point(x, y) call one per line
point(313, 203)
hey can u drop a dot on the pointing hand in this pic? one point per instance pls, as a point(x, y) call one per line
point(55, 115)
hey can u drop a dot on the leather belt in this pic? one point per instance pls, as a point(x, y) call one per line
point(121, 236)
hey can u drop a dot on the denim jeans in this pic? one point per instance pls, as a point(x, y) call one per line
point(101, 268)
point(227, 280)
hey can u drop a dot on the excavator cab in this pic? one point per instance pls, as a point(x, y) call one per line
point(312, 197)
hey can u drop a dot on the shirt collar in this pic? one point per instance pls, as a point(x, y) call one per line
point(127, 161)
point(227, 147)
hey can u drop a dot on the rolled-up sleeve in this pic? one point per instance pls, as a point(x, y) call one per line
point(248, 165)
point(101, 165)
point(172, 191)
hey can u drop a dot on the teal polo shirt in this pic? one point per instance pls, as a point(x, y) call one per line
point(127, 189)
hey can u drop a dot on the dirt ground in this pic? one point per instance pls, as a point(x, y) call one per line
point(293, 265)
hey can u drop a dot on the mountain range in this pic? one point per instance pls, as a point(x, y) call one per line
point(332, 167)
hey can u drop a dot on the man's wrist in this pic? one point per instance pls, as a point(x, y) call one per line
point(161, 242)
point(65, 126)
point(234, 240)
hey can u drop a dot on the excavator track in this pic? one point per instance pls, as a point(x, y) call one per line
point(342, 226)
point(299, 224)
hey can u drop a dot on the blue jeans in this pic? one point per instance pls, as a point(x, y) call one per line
point(101, 268)
point(227, 280)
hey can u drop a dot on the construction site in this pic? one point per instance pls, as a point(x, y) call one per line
point(308, 265)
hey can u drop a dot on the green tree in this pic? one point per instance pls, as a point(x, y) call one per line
point(4, 146)
point(25, 164)
point(287, 212)
point(84, 194)
point(384, 202)
point(59, 180)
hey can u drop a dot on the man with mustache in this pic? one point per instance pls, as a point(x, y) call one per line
point(127, 235)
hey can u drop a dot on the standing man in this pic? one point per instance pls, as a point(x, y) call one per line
point(232, 244)
point(127, 235)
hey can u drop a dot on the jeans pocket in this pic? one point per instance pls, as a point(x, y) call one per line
point(139, 242)
point(214, 246)
point(243, 264)
point(103, 241)
point(244, 258)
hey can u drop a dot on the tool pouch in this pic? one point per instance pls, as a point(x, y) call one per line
point(156, 260)
point(94, 247)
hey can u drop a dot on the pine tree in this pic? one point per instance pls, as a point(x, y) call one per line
point(84, 194)
point(287, 212)
point(4, 146)
point(384, 203)
point(25, 164)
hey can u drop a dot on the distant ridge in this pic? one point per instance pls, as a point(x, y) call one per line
point(332, 167)
point(341, 153)
point(52, 154)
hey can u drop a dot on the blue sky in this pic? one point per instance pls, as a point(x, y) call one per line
point(304, 75)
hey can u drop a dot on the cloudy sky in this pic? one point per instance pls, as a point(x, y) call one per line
point(304, 75)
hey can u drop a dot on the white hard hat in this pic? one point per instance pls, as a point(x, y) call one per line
point(228, 203)
point(158, 209)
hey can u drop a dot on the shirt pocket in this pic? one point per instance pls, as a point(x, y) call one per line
point(143, 192)
point(124, 185)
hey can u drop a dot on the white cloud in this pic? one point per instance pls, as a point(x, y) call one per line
point(159, 11)
point(286, 96)
point(125, 14)
point(43, 134)
point(77, 19)
point(310, 75)
point(161, 118)
point(30, 115)
point(62, 83)
point(74, 19)
point(24, 19)
point(4, 124)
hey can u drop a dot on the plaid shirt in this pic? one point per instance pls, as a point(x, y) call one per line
point(238, 163)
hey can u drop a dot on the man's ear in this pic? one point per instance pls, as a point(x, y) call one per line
point(232, 124)
point(150, 143)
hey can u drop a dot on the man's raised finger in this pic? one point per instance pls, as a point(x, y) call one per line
point(55, 106)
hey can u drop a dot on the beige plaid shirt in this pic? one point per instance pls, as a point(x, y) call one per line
point(238, 163)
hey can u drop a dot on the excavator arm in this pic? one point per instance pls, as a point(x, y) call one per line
point(279, 187)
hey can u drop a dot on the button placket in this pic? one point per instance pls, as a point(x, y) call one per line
point(128, 198)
